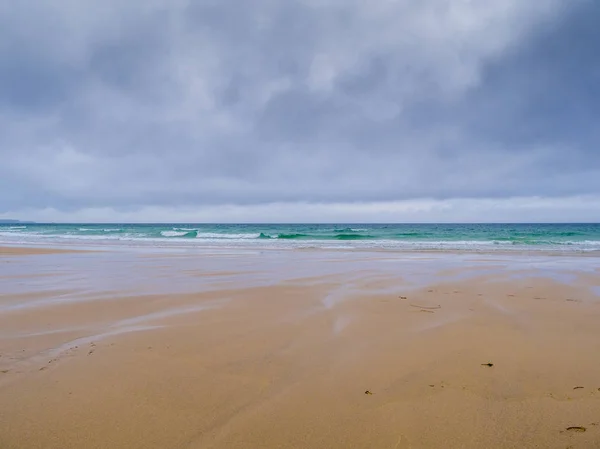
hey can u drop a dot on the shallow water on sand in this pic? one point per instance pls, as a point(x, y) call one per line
point(83, 276)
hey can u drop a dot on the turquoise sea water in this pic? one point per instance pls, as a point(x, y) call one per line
point(473, 237)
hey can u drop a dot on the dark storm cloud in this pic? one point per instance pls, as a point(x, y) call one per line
point(544, 91)
point(184, 104)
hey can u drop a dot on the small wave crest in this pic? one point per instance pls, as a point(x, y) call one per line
point(186, 234)
point(292, 236)
point(346, 236)
point(412, 234)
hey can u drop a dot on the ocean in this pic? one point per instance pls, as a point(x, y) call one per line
point(571, 238)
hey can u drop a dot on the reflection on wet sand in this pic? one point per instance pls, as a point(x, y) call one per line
point(277, 349)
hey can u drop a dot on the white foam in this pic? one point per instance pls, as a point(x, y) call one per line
point(586, 243)
point(173, 233)
point(453, 242)
point(16, 234)
point(214, 236)
point(97, 237)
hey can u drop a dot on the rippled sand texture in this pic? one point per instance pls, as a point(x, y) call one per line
point(298, 349)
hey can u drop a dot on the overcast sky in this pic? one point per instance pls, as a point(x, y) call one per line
point(300, 110)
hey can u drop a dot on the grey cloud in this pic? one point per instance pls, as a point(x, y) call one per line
point(144, 104)
point(557, 78)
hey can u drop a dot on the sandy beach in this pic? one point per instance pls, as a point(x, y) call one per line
point(33, 250)
point(297, 349)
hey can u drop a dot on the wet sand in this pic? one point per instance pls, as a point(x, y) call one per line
point(313, 350)
point(34, 250)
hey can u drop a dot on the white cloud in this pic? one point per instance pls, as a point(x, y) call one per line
point(518, 209)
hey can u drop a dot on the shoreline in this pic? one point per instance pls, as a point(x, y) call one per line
point(10, 248)
point(524, 238)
